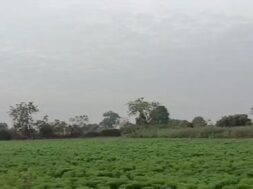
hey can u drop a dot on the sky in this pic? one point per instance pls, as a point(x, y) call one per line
point(75, 57)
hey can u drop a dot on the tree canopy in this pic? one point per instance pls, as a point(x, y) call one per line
point(80, 120)
point(159, 115)
point(22, 118)
point(3, 126)
point(111, 119)
point(199, 122)
point(142, 110)
point(234, 120)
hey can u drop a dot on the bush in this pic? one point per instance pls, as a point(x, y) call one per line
point(16, 135)
point(5, 134)
point(46, 131)
point(199, 122)
point(129, 129)
point(179, 123)
point(206, 132)
point(110, 133)
point(234, 121)
point(91, 134)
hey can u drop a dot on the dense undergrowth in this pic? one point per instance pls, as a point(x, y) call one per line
point(204, 132)
point(127, 164)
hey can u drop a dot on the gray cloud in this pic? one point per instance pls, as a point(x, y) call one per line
point(79, 56)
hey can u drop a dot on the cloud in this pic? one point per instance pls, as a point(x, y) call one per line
point(193, 57)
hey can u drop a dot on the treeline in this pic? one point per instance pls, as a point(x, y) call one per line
point(25, 127)
point(149, 117)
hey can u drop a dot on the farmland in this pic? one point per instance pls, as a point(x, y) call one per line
point(127, 164)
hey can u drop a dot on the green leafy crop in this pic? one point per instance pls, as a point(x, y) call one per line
point(127, 164)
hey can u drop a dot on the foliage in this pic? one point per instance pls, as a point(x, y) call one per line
point(199, 122)
point(149, 115)
point(3, 126)
point(22, 117)
point(111, 120)
point(75, 131)
point(127, 164)
point(77, 126)
point(5, 134)
point(185, 123)
point(44, 128)
point(234, 120)
point(61, 128)
point(142, 109)
point(174, 122)
point(80, 120)
point(159, 115)
point(198, 132)
point(128, 129)
point(178, 123)
point(110, 133)
point(90, 128)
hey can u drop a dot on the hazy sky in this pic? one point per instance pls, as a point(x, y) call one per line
point(76, 57)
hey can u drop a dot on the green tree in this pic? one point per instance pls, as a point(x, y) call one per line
point(4, 132)
point(22, 118)
point(75, 130)
point(78, 125)
point(159, 115)
point(184, 123)
point(45, 129)
point(3, 126)
point(79, 120)
point(179, 123)
point(234, 120)
point(111, 119)
point(142, 110)
point(199, 122)
point(89, 128)
point(61, 128)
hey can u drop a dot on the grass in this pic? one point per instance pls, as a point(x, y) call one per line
point(205, 132)
point(127, 164)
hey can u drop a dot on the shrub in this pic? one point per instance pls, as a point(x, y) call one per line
point(5, 134)
point(234, 120)
point(128, 129)
point(205, 132)
point(91, 134)
point(110, 133)
point(199, 122)
point(184, 123)
point(46, 131)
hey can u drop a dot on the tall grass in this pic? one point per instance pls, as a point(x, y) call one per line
point(206, 132)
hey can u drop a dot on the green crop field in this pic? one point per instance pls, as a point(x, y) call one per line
point(127, 163)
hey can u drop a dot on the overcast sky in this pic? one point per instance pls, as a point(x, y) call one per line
point(76, 57)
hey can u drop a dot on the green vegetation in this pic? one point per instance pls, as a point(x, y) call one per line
point(111, 119)
point(204, 132)
point(199, 122)
point(149, 117)
point(234, 121)
point(127, 164)
point(142, 110)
